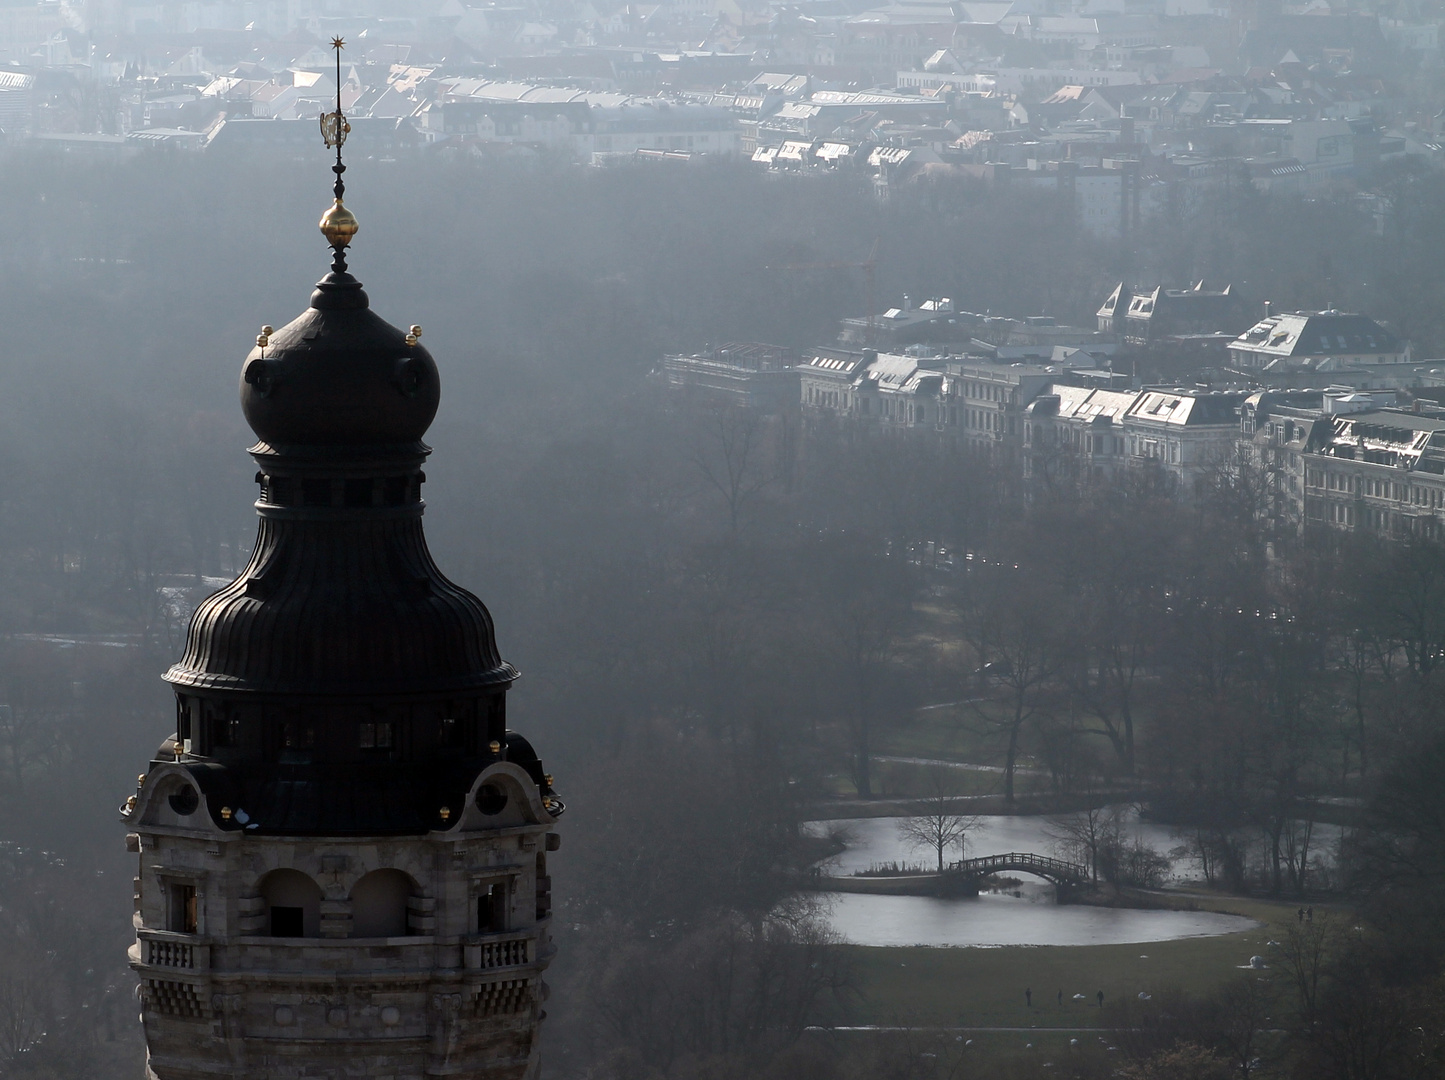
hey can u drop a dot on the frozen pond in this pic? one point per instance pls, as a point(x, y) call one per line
point(993, 919)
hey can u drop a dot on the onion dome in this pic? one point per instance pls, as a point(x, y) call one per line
point(339, 375)
point(341, 684)
point(341, 596)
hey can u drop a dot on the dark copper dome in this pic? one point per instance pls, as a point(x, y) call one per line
point(341, 684)
point(341, 595)
point(339, 375)
point(345, 604)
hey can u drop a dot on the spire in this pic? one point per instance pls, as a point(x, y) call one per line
point(338, 224)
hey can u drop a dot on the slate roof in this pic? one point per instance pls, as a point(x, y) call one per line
point(1180, 409)
point(1391, 438)
point(836, 362)
point(1317, 333)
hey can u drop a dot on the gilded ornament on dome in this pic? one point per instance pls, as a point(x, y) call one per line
point(334, 129)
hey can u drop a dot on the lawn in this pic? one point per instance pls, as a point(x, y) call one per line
point(948, 732)
point(925, 987)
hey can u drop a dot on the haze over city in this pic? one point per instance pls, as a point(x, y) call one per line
point(952, 492)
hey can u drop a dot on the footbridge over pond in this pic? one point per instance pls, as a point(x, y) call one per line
point(1058, 871)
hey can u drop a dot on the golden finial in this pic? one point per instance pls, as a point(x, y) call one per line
point(338, 224)
point(494, 746)
point(415, 333)
point(445, 813)
point(264, 338)
point(225, 813)
point(548, 779)
point(141, 779)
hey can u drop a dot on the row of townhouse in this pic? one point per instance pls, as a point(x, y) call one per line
point(1054, 421)
point(1349, 462)
point(1335, 459)
point(977, 403)
point(1087, 434)
point(894, 390)
point(1045, 412)
point(1339, 459)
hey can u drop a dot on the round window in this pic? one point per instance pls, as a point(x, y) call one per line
point(491, 799)
point(185, 801)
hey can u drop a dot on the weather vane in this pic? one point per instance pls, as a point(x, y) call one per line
point(338, 224)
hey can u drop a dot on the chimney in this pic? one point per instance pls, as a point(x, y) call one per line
point(1126, 130)
point(1267, 305)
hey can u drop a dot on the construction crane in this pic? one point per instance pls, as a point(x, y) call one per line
point(867, 266)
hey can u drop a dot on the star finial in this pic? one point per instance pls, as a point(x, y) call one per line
point(338, 43)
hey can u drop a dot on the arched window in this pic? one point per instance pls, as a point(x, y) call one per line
point(293, 904)
point(378, 904)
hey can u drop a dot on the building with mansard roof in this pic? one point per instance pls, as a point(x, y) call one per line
point(1143, 316)
point(1349, 462)
point(894, 390)
point(1316, 342)
point(1090, 434)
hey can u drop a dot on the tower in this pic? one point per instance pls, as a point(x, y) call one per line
point(342, 849)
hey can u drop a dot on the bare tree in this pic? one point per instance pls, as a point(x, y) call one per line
point(30, 739)
point(939, 826)
point(1304, 954)
point(1239, 1015)
point(1121, 627)
point(1094, 837)
point(24, 1009)
point(1216, 845)
point(864, 603)
point(1239, 490)
point(1368, 1028)
point(1013, 625)
point(729, 450)
point(1404, 592)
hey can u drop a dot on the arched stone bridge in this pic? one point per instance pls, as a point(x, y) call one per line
point(1058, 871)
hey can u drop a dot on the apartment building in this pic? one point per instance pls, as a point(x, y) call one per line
point(893, 390)
point(1349, 462)
point(1315, 341)
point(986, 401)
point(1088, 434)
